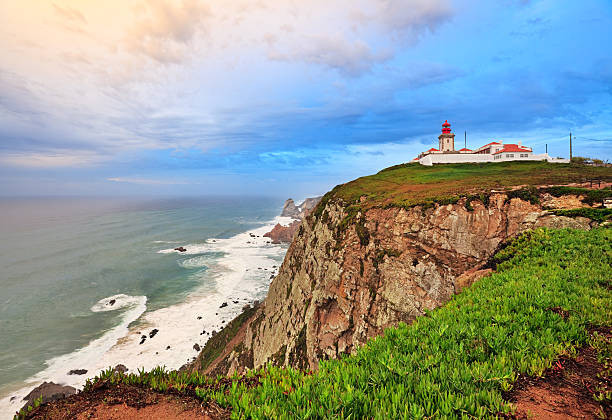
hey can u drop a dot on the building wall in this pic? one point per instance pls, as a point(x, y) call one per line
point(432, 159)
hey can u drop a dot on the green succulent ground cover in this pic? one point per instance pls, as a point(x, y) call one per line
point(456, 361)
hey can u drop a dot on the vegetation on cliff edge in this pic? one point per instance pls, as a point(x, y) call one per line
point(549, 289)
point(413, 184)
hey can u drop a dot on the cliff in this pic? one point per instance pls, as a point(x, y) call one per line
point(384, 249)
point(357, 267)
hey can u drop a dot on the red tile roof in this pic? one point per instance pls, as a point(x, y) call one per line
point(433, 150)
point(465, 150)
point(513, 148)
point(493, 142)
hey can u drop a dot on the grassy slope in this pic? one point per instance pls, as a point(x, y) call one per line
point(456, 361)
point(410, 184)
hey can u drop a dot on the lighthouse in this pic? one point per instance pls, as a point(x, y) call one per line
point(446, 139)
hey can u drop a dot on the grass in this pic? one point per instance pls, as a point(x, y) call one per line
point(456, 361)
point(598, 215)
point(412, 184)
point(590, 196)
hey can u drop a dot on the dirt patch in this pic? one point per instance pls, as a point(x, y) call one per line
point(128, 402)
point(168, 408)
point(566, 391)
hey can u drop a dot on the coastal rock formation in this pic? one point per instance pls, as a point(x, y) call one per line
point(290, 209)
point(49, 391)
point(301, 211)
point(347, 276)
point(284, 234)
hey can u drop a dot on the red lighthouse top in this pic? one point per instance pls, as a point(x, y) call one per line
point(446, 127)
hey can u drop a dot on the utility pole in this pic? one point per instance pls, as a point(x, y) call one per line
point(546, 148)
point(465, 140)
point(570, 146)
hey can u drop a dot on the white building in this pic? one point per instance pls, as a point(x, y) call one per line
point(495, 151)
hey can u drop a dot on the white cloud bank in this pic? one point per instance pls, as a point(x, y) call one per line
point(96, 76)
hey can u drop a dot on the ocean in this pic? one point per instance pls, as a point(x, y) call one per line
point(83, 280)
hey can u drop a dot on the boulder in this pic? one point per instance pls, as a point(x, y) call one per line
point(49, 391)
point(120, 368)
point(77, 372)
point(180, 249)
point(196, 347)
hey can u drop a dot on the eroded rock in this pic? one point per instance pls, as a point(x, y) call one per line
point(49, 391)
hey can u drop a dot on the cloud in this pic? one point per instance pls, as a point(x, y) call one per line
point(147, 181)
point(352, 36)
point(51, 160)
point(352, 58)
point(412, 18)
point(69, 13)
point(166, 29)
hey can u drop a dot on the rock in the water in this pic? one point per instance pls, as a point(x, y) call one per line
point(112, 302)
point(284, 234)
point(49, 391)
point(77, 372)
point(199, 317)
point(120, 368)
point(180, 249)
point(223, 305)
point(153, 332)
point(196, 347)
point(290, 209)
point(143, 338)
point(168, 348)
point(301, 211)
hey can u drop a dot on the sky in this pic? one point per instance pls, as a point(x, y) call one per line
point(286, 97)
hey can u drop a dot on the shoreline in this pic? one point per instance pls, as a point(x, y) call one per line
point(247, 265)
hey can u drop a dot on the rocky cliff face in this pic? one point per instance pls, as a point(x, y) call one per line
point(347, 277)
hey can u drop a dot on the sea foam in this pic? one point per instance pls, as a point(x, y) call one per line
point(243, 267)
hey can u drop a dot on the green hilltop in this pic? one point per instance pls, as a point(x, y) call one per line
point(411, 184)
